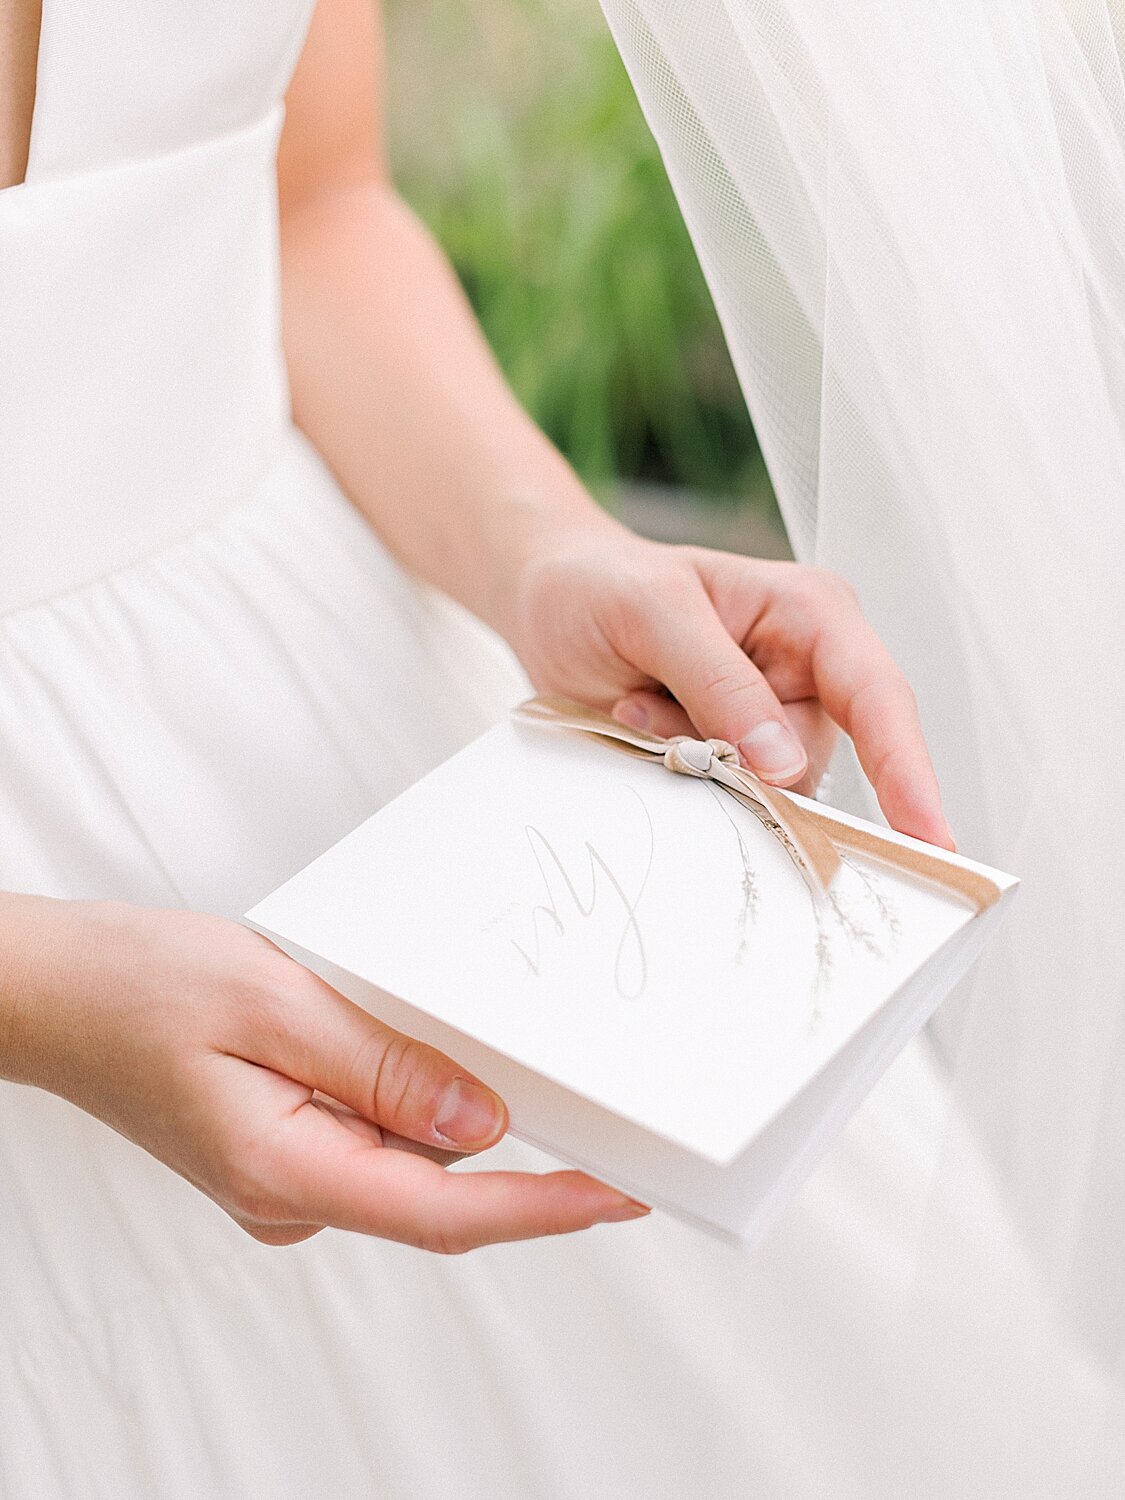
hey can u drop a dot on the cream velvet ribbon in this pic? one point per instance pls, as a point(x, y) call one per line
point(813, 839)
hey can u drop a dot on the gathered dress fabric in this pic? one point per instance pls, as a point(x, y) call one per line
point(210, 669)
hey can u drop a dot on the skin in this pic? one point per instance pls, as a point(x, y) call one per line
point(199, 1040)
point(19, 48)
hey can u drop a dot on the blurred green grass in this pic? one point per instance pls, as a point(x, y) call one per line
point(516, 135)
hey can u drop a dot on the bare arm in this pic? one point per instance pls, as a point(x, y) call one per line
point(391, 377)
point(394, 384)
point(19, 48)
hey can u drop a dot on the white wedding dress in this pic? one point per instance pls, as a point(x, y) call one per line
point(209, 670)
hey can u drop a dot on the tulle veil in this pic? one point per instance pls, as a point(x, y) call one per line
point(912, 220)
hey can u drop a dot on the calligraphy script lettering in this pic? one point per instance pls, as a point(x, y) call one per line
point(605, 890)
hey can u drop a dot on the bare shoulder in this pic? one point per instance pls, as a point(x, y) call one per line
point(19, 52)
point(333, 124)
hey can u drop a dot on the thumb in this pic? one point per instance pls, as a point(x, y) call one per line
point(691, 652)
point(404, 1086)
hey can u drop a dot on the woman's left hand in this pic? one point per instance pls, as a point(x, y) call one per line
point(771, 656)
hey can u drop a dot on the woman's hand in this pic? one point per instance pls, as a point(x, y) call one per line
point(264, 1087)
point(394, 384)
point(771, 656)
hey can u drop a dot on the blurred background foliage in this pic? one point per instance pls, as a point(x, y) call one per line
point(516, 135)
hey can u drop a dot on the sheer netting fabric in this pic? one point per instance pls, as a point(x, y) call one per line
point(912, 220)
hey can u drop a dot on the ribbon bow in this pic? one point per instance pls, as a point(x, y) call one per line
point(812, 837)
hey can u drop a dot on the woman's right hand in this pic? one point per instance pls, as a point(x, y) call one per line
point(260, 1084)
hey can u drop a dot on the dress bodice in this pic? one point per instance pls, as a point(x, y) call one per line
point(142, 388)
point(140, 79)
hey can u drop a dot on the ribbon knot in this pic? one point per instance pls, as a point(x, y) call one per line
point(811, 834)
point(691, 757)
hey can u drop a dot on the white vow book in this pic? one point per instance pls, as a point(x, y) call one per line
point(641, 963)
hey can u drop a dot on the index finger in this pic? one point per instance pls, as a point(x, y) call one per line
point(331, 1176)
point(862, 688)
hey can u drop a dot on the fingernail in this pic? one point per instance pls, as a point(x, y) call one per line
point(631, 713)
point(773, 751)
point(628, 1208)
point(468, 1114)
